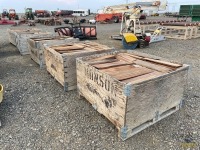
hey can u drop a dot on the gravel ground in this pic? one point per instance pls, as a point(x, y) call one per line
point(37, 114)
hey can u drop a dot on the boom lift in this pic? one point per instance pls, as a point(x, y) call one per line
point(131, 35)
point(114, 13)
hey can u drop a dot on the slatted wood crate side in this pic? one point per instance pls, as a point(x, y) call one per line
point(147, 101)
point(67, 63)
point(103, 92)
point(36, 56)
point(22, 44)
point(36, 48)
point(54, 64)
point(12, 37)
point(70, 58)
point(153, 100)
point(12, 34)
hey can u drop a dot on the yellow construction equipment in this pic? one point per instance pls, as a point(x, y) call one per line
point(130, 37)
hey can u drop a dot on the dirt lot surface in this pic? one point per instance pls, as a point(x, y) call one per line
point(37, 114)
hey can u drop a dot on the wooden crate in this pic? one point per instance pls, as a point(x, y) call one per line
point(12, 34)
point(36, 46)
point(133, 90)
point(22, 44)
point(61, 60)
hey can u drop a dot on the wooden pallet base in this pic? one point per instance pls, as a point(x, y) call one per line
point(126, 132)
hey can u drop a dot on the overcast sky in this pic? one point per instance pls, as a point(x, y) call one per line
point(93, 5)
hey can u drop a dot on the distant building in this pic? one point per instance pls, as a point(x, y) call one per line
point(81, 12)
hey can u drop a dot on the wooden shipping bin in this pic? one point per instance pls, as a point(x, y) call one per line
point(36, 46)
point(22, 44)
point(12, 34)
point(133, 90)
point(22, 36)
point(61, 60)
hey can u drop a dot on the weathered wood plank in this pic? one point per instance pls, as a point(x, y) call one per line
point(102, 61)
point(143, 77)
point(135, 72)
point(110, 64)
point(153, 66)
point(163, 62)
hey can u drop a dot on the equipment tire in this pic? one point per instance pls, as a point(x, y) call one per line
point(116, 19)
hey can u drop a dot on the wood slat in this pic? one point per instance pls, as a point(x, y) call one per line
point(126, 72)
point(124, 57)
point(144, 77)
point(132, 73)
point(129, 56)
point(163, 62)
point(68, 48)
point(72, 51)
point(102, 58)
point(115, 70)
point(153, 66)
point(41, 39)
point(61, 45)
point(102, 61)
point(108, 65)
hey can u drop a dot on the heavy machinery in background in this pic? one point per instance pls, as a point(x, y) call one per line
point(65, 13)
point(53, 12)
point(29, 14)
point(4, 13)
point(12, 14)
point(114, 13)
point(4, 20)
point(42, 13)
point(131, 33)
